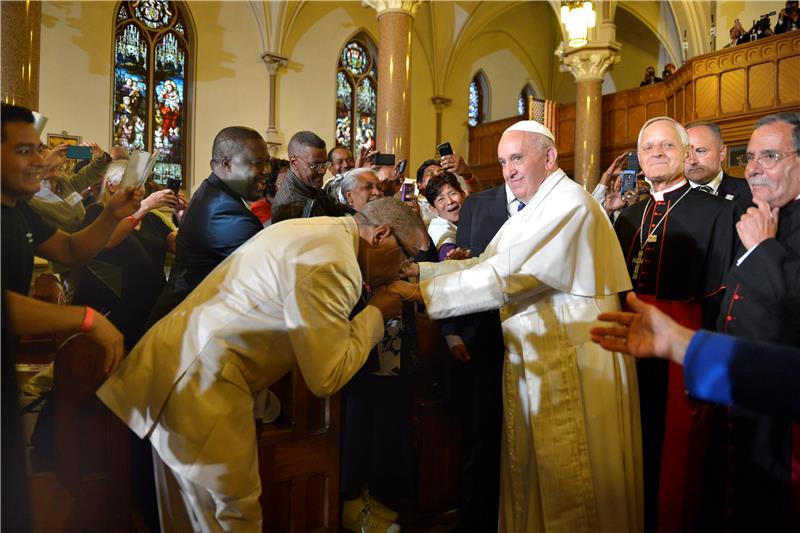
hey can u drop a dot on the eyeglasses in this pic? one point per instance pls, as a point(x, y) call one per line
point(765, 161)
point(409, 256)
point(316, 167)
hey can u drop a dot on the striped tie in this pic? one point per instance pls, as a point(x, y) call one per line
point(706, 189)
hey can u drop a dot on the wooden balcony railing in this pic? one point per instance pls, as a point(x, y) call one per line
point(733, 87)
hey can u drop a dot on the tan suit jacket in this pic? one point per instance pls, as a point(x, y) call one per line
point(284, 297)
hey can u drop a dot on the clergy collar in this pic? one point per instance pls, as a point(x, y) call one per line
point(659, 196)
point(714, 183)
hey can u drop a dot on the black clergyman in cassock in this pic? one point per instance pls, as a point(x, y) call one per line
point(762, 301)
point(678, 247)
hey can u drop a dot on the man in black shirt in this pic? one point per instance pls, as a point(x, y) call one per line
point(24, 235)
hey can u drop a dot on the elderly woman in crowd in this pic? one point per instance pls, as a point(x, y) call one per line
point(359, 186)
point(445, 194)
point(125, 279)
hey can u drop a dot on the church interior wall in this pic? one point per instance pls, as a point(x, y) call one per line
point(513, 44)
point(307, 86)
point(231, 81)
point(75, 67)
point(640, 49)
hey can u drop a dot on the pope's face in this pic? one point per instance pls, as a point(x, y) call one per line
point(780, 184)
point(525, 162)
point(22, 164)
point(661, 153)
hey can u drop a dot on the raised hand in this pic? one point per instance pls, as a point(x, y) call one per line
point(757, 224)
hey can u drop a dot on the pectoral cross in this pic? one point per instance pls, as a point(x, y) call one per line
point(638, 262)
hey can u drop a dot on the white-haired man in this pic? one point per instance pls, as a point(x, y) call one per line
point(678, 246)
point(571, 446)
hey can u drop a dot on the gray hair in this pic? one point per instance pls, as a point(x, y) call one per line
point(790, 117)
point(304, 139)
point(678, 128)
point(112, 176)
point(350, 179)
point(395, 214)
point(713, 127)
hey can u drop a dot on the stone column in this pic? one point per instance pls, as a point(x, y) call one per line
point(440, 102)
point(588, 65)
point(21, 30)
point(395, 18)
point(273, 62)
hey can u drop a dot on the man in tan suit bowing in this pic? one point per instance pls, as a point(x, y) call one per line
point(284, 297)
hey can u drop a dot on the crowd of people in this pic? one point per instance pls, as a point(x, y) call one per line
point(323, 260)
point(788, 19)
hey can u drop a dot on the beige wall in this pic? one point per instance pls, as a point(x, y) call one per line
point(640, 49)
point(230, 79)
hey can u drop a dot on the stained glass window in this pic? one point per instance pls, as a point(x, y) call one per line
point(356, 94)
point(523, 103)
point(477, 100)
point(151, 53)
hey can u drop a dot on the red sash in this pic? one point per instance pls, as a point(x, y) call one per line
point(685, 436)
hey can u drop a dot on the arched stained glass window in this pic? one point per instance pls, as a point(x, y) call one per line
point(151, 67)
point(478, 100)
point(356, 94)
point(523, 104)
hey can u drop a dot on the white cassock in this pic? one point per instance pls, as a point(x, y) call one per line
point(571, 441)
point(283, 298)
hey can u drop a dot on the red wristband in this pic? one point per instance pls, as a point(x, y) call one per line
point(88, 320)
point(133, 220)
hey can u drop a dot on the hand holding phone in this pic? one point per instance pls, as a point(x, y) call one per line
point(384, 159)
point(628, 176)
point(75, 151)
point(444, 149)
point(174, 184)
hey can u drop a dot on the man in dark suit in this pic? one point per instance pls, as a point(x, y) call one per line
point(761, 301)
point(217, 220)
point(476, 341)
point(704, 165)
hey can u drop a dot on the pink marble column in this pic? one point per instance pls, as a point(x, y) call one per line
point(395, 18)
point(588, 65)
point(21, 29)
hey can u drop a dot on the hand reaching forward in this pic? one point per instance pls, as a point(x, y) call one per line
point(647, 332)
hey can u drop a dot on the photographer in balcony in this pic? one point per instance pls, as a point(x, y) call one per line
point(788, 18)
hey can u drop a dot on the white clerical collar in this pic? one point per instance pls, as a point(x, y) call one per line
point(659, 196)
point(512, 203)
point(714, 183)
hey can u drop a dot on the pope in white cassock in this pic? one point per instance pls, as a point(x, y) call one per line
point(571, 457)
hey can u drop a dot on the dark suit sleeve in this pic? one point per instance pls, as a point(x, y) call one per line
point(454, 326)
point(748, 374)
point(724, 243)
point(228, 228)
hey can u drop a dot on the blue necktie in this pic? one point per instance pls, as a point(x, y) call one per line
point(520, 206)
